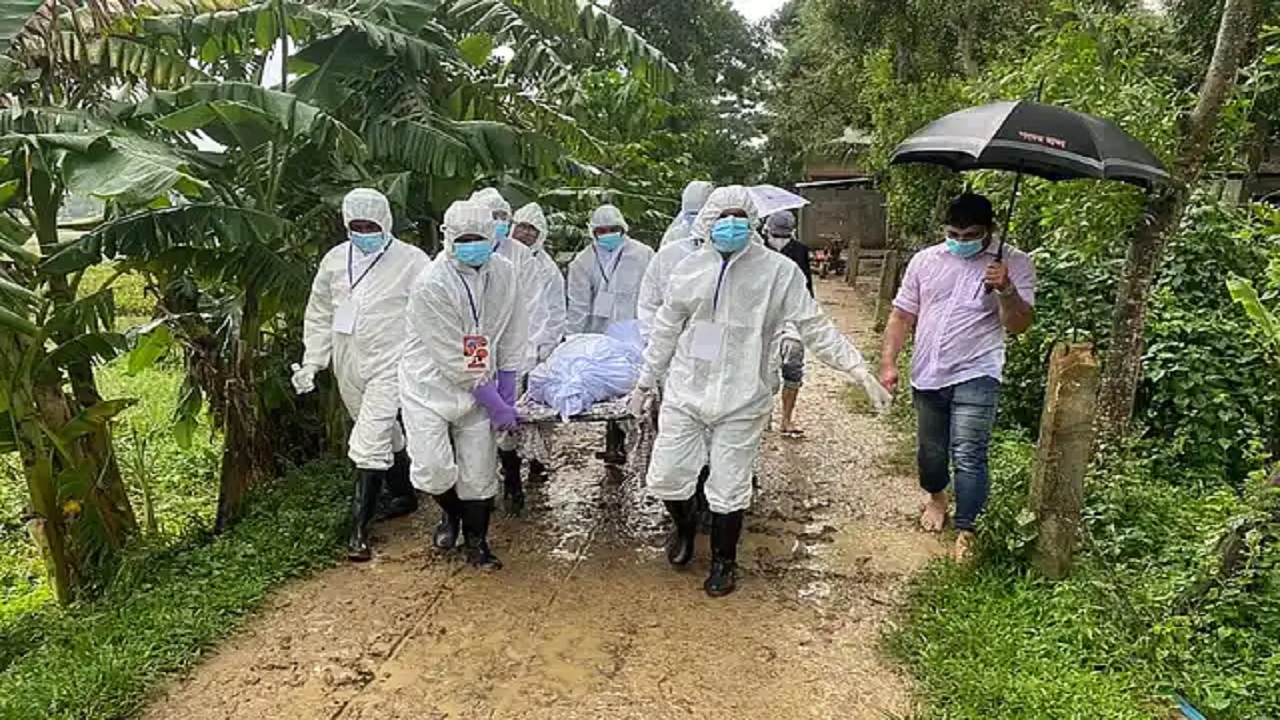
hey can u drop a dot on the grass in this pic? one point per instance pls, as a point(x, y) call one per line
point(1115, 640)
point(177, 590)
point(986, 646)
point(99, 660)
point(183, 482)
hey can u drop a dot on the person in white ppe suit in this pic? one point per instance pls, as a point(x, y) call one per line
point(604, 279)
point(521, 258)
point(467, 337)
point(545, 285)
point(604, 288)
point(710, 347)
point(694, 197)
point(355, 323)
point(681, 240)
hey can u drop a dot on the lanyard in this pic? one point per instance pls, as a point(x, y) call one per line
point(471, 299)
point(608, 278)
point(354, 282)
point(715, 302)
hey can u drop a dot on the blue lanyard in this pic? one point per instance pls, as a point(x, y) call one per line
point(715, 302)
point(350, 267)
point(608, 279)
point(471, 300)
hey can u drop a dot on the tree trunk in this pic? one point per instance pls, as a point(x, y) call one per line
point(108, 494)
point(890, 279)
point(966, 33)
point(1123, 369)
point(246, 453)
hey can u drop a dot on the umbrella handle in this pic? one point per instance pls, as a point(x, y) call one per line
point(1008, 221)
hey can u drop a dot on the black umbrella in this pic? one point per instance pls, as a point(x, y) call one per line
point(1044, 140)
point(1028, 137)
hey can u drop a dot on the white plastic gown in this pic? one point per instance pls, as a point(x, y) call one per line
point(719, 407)
point(451, 441)
point(365, 361)
point(653, 289)
point(546, 288)
point(604, 287)
point(691, 202)
point(513, 250)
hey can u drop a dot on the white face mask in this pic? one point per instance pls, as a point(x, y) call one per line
point(777, 243)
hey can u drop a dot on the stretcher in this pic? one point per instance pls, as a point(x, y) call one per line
point(532, 413)
point(628, 443)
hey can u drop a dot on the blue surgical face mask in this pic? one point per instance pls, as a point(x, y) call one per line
point(610, 241)
point(501, 231)
point(689, 216)
point(965, 248)
point(474, 254)
point(731, 234)
point(368, 243)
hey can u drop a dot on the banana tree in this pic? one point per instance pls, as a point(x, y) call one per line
point(53, 415)
point(247, 245)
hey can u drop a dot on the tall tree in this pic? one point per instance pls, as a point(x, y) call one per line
point(1123, 369)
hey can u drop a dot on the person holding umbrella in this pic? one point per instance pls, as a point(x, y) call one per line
point(959, 299)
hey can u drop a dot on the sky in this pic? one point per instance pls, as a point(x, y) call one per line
point(757, 9)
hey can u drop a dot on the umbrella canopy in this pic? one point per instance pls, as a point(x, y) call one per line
point(1044, 140)
point(770, 199)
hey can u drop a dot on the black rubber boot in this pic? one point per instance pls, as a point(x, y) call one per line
point(512, 487)
point(725, 532)
point(615, 445)
point(703, 509)
point(401, 499)
point(363, 506)
point(684, 530)
point(445, 537)
point(537, 472)
point(475, 532)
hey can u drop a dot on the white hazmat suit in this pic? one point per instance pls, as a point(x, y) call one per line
point(653, 289)
point(355, 320)
point(450, 438)
point(710, 349)
point(546, 289)
point(691, 201)
point(604, 286)
point(521, 257)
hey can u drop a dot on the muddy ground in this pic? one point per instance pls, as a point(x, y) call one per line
point(587, 620)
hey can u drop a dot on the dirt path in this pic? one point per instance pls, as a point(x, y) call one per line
point(588, 621)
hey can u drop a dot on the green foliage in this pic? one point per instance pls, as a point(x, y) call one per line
point(166, 606)
point(1151, 611)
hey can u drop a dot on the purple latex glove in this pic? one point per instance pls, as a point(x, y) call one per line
point(501, 415)
point(507, 386)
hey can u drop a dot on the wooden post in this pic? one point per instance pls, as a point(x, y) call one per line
point(851, 265)
point(1062, 457)
point(890, 274)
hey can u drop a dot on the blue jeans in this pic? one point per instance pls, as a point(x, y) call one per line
point(953, 431)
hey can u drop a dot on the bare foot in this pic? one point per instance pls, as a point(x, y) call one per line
point(934, 516)
point(963, 551)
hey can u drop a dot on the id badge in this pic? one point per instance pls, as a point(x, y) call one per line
point(344, 318)
point(604, 305)
point(707, 340)
point(476, 355)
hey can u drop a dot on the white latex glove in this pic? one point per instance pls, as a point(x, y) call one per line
point(641, 402)
point(304, 378)
point(879, 397)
